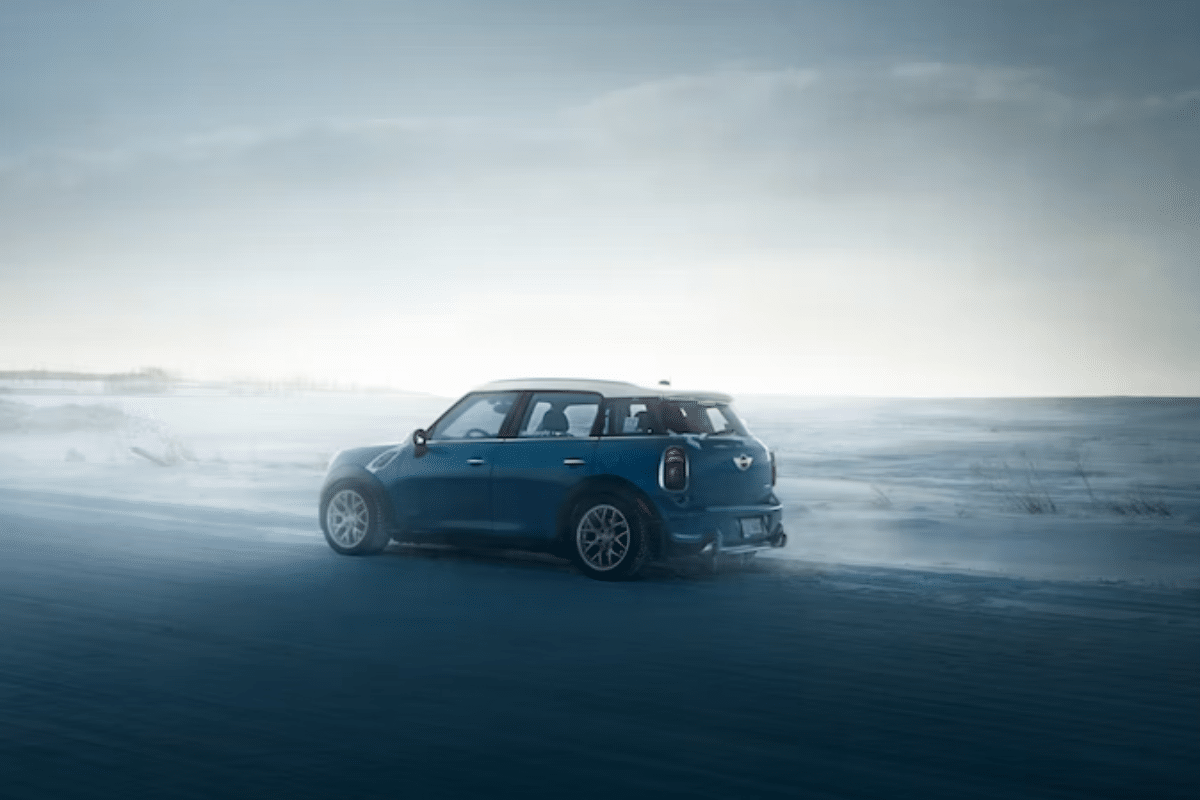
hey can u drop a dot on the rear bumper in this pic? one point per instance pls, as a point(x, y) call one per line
point(718, 530)
point(714, 548)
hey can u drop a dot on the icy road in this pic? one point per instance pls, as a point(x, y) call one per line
point(231, 659)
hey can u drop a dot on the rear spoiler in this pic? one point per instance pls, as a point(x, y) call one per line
point(701, 397)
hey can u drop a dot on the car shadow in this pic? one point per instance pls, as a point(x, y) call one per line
point(689, 569)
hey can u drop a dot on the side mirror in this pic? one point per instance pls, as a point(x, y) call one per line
point(420, 440)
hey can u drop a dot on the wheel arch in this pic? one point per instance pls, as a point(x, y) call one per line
point(617, 485)
point(363, 479)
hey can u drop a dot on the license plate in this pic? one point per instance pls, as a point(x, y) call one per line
point(752, 527)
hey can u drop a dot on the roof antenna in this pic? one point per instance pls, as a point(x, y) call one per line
point(664, 383)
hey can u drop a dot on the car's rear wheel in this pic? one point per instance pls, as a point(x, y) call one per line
point(352, 520)
point(608, 538)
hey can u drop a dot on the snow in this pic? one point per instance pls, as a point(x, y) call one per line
point(1064, 489)
point(173, 621)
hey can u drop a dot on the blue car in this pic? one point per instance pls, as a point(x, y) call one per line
point(608, 474)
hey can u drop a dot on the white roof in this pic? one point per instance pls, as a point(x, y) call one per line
point(604, 388)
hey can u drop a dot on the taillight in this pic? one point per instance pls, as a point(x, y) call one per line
point(673, 471)
point(772, 467)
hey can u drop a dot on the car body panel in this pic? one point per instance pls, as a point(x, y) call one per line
point(450, 486)
point(532, 478)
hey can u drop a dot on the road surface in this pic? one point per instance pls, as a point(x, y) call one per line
point(149, 654)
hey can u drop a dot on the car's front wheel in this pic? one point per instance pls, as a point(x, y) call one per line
point(608, 538)
point(352, 520)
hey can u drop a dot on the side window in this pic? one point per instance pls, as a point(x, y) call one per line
point(717, 421)
point(631, 417)
point(685, 416)
point(723, 420)
point(477, 417)
point(559, 414)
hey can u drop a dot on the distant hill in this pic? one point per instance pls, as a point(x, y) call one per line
point(155, 380)
point(150, 373)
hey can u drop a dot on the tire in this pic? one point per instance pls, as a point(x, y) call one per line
point(352, 520)
point(608, 538)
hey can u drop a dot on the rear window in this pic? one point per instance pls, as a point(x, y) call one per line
point(651, 416)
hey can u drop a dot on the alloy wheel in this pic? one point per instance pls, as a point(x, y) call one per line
point(603, 537)
point(348, 518)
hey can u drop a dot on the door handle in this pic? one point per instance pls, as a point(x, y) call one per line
point(475, 462)
point(574, 462)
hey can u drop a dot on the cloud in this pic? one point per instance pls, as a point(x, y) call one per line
point(934, 208)
point(904, 128)
point(965, 163)
point(868, 129)
point(978, 221)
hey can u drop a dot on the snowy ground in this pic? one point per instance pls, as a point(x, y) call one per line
point(172, 624)
point(1091, 489)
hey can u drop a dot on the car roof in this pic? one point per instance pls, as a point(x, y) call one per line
point(601, 387)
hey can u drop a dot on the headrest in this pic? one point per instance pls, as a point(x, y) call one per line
point(554, 421)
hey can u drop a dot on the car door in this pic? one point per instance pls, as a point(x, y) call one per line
point(551, 451)
point(450, 484)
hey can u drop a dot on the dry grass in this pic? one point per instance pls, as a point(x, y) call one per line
point(1022, 490)
point(1138, 504)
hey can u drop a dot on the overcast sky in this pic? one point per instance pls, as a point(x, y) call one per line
point(934, 197)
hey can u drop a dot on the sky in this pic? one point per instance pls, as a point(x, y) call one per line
point(926, 198)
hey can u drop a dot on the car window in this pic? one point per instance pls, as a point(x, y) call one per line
point(649, 416)
point(475, 417)
point(631, 417)
point(684, 417)
point(559, 414)
point(722, 420)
